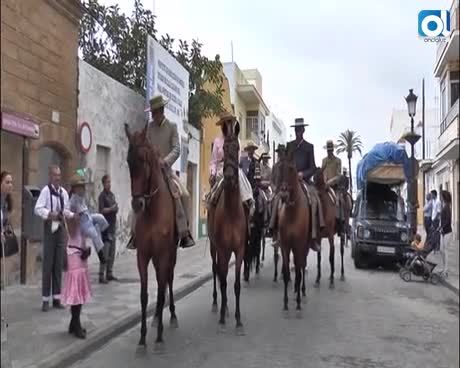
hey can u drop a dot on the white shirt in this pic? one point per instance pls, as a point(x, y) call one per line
point(43, 205)
point(435, 215)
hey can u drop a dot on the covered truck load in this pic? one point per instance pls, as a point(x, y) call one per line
point(387, 163)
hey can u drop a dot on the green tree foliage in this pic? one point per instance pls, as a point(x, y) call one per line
point(116, 45)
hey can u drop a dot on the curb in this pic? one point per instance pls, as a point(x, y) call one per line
point(451, 287)
point(70, 355)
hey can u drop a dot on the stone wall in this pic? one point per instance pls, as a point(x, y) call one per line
point(106, 106)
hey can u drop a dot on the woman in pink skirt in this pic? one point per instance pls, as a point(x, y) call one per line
point(77, 288)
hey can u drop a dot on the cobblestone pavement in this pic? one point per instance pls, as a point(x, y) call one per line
point(34, 335)
point(372, 320)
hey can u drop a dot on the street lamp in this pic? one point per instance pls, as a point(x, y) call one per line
point(412, 138)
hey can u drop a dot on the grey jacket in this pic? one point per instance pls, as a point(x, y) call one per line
point(166, 139)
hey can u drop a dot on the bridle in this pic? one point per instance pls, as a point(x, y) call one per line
point(149, 195)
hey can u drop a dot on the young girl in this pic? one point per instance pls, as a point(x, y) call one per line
point(77, 288)
point(445, 229)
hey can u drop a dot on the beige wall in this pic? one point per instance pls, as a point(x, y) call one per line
point(39, 74)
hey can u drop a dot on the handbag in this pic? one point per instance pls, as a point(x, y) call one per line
point(84, 253)
point(10, 245)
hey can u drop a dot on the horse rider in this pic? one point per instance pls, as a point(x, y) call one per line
point(332, 169)
point(216, 167)
point(265, 182)
point(281, 153)
point(304, 159)
point(249, 162)
point(162, 134)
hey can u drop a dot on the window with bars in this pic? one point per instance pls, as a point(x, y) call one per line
point(454, 87)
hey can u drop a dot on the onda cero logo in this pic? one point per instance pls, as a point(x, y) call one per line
point(434, 25)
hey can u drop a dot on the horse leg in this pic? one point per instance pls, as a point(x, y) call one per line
point(237, 289)
point(298, 280)
point(318, 265)
point(223, 272)
point(142, 264)
point(247, 260)
point(162, 276)
point(263, 246)
point(304, 289)
point(285, 271)
point(214, 276)
point(258, 250)
point(276, 259)
point(172, 307)
point(331, 261)
point(342, 251)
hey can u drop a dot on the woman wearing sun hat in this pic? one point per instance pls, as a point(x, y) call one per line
point(216, 166)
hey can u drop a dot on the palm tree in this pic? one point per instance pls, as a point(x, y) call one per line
point(350, 142)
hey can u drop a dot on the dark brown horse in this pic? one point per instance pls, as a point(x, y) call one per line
point(294, 227)
point(227, 226)
point(330, 222)
point(156, 238)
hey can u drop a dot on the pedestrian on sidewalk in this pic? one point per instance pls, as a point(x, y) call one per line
point(427, 213)
point(435, 219)
point(445, 229)
point(77, 287)
point(108, 207)
point(52, 207)
point(8, 239)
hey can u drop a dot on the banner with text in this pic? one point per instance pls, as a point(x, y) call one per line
point(167, 77)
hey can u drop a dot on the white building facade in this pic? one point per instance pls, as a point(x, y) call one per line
point(276, 134)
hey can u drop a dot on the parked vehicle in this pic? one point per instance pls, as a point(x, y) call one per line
point(380, 231)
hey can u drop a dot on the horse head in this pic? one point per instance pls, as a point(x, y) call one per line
point(288, 179)
point(318, 179)
point(144, 168)
point(230, 131)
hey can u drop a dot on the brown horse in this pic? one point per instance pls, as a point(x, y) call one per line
point(227, 224)
point(330, 222)
point(294, 227)
point(156, 238)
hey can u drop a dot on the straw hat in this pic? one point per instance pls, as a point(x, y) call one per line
point(251, 146)
point(299, 123)
point(224, 116)
point(156, 102)
point(265, 155)
point(330, 145)
point(77, 180)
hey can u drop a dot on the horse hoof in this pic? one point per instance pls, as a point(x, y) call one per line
point(155, 322)
point(141, 345)
point(298, 313)
point(331, 286)
point(159, 347)
point(214, 308)
point(316, 285)
point(258, 276)
point(261, 265)
point(141, 350)
point(286, 313)
point(240, 331)
point(222, 328)
point(342, 278)
point(173, 323)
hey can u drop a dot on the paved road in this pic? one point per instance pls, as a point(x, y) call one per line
point(372, 320)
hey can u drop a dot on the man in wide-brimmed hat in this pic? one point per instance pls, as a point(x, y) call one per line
point(248, 162)
point(265, 171)
point(163, 135)
point(281, 152)
point(332, 165)
point(304, 158)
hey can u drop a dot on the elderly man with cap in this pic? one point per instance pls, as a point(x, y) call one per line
point(216, 167)
point(304, 159)
point(163, 135)
point(248, 163)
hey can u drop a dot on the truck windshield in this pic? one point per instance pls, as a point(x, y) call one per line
point(384, 210)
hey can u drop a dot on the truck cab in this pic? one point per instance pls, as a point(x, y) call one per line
point(380, 231)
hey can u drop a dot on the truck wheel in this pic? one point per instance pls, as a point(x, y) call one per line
point(358, 258)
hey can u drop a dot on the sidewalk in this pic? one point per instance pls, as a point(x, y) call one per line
point(37, 339)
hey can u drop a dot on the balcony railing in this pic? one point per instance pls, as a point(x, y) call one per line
point(450, 117)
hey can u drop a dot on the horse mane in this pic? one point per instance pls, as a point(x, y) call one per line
point(231, 151)
point(318, 178)
point(139, 140)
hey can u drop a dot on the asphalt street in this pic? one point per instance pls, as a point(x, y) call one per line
point(371, 320)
